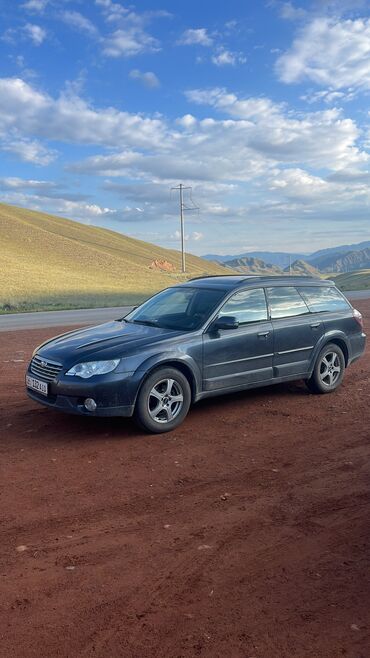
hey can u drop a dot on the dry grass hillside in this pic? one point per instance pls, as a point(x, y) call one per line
point(358, 280)
point(49, 262)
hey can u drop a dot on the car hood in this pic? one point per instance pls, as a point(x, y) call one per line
point(105, 341)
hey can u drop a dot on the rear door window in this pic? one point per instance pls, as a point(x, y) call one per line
point(286, 302)
point(319, 299)
point(247, 306)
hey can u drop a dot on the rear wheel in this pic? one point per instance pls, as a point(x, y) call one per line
point(163, 401)
point(329, 370)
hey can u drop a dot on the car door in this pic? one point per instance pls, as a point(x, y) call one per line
point(241, 356)
point(296, 331)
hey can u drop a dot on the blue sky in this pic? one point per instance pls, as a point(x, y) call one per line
point(261, 107)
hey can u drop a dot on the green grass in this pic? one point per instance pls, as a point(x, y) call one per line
point(51, 263)
point(358, 280)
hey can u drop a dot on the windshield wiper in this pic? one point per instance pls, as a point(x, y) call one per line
point(148, 323)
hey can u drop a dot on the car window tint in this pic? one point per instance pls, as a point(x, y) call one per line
point(246, 306)
point(178, 302)
point(285, 302)
point(323, 298)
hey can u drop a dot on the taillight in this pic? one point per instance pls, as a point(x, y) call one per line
point(358, 317)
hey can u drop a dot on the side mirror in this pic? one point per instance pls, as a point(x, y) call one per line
point(224, 322)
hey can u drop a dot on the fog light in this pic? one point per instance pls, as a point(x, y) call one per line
point(90, 404)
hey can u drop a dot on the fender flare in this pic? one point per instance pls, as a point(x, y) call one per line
point(185, 364)
point(338, 337)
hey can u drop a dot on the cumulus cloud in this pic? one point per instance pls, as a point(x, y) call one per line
point(29, 150)
point(225, 57)
point(35, 6)
point(36, 33)
point(331, 53)
point(129, 42)
point(147, 78)
point(69, 118)
point(79, 22)
point(112, 11)
point(323, 139)
point(196, 37)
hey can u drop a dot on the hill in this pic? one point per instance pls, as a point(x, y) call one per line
point(336, 251)
point(301, 268)
point(279, 258)
point(359, 280)
point(49, 262)
point(344, 262)
point(248, 265)
point(323, 260)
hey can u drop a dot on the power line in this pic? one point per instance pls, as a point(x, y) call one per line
point(183, 207)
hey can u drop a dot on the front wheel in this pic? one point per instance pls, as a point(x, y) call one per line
point(163, 401)
point(329, 370)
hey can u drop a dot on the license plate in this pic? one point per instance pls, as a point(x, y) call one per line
point(36, 385)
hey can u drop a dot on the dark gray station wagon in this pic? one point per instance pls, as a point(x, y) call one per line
point(209, 336)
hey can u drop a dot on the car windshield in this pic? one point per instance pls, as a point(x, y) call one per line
point(178, 308)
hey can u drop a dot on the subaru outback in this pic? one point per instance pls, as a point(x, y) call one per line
point(205, 337)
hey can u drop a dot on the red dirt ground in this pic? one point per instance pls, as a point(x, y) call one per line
point(243, 534)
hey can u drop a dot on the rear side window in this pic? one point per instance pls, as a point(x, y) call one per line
point(246, 306)
point(323, 298)
point(285, 302)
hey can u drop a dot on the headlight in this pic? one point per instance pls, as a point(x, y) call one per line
point(91, 368)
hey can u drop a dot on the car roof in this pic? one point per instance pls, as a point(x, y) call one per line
point(229, 282)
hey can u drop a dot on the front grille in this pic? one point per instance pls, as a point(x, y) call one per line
point(48, 370)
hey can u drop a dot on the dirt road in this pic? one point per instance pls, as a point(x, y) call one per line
point(243, 534)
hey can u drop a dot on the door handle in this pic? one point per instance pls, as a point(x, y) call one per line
point(263, 334)
point(315, 325)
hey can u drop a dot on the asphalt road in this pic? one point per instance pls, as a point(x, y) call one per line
point(14, 321)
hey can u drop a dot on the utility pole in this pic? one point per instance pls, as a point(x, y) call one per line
point(183, 207)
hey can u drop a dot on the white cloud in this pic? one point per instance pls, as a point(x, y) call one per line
point(148, 78)
point(79, 22)
point(36, 33)
point(322, 139)
point(227, 58)
point(35, 6)
point(292, 13)
point(196, 37)
point(328, 96)
point(29, 150)
point(69, 118)
point(112, 10)
point(129, 42)
point(188, 121)
point(331, 53)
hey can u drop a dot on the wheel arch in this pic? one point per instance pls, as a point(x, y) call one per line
point(327, 339)
point(184, 367)
point(343, 346)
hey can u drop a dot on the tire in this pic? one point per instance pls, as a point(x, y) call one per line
point(163, 401)
point(329, 370)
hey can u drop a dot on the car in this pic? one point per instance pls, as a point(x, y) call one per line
point(208, 336)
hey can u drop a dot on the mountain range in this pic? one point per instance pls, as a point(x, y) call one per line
point(343, 258)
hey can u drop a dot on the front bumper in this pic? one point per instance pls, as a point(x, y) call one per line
point(114, 394)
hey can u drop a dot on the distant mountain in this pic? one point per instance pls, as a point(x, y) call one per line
point(346, 262)
point(319, 259)
point(249, 265)
point(344, 248)
point(301, 268)
point(279, 258)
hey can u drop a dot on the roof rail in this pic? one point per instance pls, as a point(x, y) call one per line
point(216, 276)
